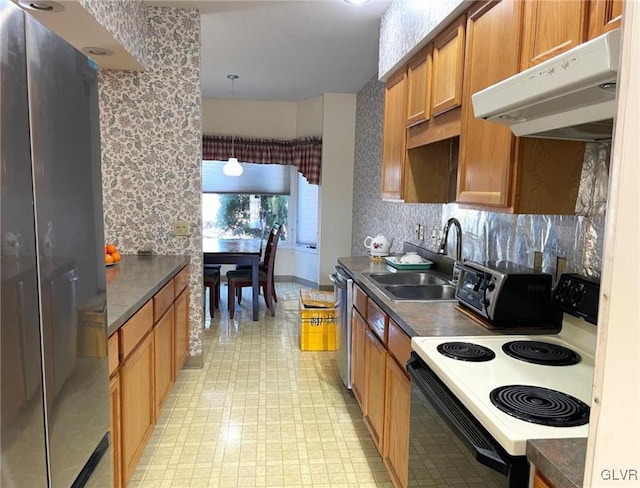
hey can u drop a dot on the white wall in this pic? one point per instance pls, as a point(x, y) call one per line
point(613, 450)
point(309, 117)
point(249, 118)
point(336, 181)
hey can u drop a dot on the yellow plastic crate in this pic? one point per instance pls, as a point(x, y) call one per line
point(317, 325)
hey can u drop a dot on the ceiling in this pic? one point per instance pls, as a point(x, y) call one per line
point(287, 50)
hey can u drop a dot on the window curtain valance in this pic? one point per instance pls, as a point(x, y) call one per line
point(304, 153)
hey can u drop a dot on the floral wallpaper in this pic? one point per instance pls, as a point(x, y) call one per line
point(486, 235)
point(372, 215)
point(151, 148)
point(126, 20)
point(405, 24)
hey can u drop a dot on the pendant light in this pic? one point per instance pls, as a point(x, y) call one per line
point(232, 167)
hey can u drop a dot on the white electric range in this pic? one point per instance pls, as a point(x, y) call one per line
point(472, 382)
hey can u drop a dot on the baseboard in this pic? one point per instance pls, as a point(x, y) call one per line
point(194, 362)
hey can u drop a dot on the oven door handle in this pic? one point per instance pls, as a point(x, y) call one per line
point(487, 451)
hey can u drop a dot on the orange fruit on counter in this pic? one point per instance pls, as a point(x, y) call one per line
point(110, 249)
point(108, 258)
point(116, 257)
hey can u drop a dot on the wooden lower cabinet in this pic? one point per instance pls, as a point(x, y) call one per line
point(395, 452)
point(137, 401)
point(114, 387)
point(163, 365)
point(540, 481)
point(375, 358)
point(181, 331)
point(357, 360)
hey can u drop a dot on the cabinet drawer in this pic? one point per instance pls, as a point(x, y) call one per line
point(114, 354)
point(377, 320)
point(135, 329)
point(181, 281)
point(399, 344)
point(162, 301)
point(360, 300)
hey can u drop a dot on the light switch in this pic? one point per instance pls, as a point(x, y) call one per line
point(181, 228)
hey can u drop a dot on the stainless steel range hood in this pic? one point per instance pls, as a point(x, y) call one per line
point(571, 96)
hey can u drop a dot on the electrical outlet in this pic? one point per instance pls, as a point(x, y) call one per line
point(421, 232)
point(181, 228)
point(537, 261)
point(561, 267)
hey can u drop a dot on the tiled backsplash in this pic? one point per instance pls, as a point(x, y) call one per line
point(486, 235)
point(151, 149)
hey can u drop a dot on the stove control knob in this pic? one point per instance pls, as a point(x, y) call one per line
point(491, 286)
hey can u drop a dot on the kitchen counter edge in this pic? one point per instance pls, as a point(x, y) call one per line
point(436, 318)
point(561, 461)
point(133, 282)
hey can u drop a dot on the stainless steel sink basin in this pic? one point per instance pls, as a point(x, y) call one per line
point(421, 292)
point(414, 286)
point(406, 279)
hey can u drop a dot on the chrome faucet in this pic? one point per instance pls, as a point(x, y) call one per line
point(443, 243)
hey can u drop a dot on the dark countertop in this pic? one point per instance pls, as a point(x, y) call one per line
point(133, 281)
point(415, 318)
point(561, 461)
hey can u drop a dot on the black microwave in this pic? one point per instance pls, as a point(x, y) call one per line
point(507, 294)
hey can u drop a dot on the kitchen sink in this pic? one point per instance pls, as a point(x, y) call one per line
point(406, 278)
point(413, 286)
point(421, 292)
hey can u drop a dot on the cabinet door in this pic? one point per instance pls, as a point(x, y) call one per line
point(485, 164)
point(181, 333)
point(604, 16)
point(552, 27)
point(540, 482)
point(419, 87)
point(115, 430)
point(448, 61)
point(394, 137)
point(375, 359)
point(358, 331)
point(136, 389)
point(395, 453)
point(163, 360)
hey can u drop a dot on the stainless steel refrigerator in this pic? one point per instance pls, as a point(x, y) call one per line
point(54, 407)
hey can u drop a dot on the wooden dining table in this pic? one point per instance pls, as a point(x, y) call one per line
point(236, 251)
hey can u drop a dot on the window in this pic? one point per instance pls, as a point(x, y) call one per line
point(307, 216)
point(247, 206)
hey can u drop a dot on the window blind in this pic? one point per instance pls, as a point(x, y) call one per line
point(256, 179)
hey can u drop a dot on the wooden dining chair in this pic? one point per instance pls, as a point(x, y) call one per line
point(241, 278)
point(211, 279)
point(263, 263)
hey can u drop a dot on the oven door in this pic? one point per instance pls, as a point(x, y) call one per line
point(448, 446)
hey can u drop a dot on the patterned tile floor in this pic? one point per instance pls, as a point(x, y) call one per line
point(260, 413)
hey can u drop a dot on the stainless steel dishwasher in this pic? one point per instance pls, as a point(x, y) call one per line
point(343, 288)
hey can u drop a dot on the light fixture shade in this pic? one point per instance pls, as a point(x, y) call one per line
point(232, 167)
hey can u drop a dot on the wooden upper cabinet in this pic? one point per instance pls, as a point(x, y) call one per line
point(419, 83)
point(552, 27)
point(604, 15)
point(495, 169)
point(394, 136)
point(487, 149)
point(448, 61)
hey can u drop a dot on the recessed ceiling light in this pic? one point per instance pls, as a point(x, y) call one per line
point(97, 51)
point(357, 2)
point(41, 6)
